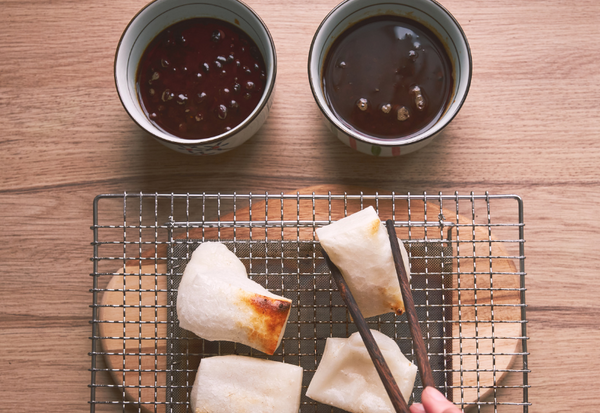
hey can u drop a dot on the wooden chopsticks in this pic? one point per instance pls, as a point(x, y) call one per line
point(411, 313)
point(383, 369)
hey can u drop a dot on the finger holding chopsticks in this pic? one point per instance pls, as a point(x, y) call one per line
point(432, 401)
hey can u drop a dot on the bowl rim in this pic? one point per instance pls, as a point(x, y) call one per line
point(381, 141)
point(265, 99)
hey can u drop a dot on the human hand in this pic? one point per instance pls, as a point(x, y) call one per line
point(434, 402)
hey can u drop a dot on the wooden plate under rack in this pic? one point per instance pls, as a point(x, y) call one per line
point(466, 266)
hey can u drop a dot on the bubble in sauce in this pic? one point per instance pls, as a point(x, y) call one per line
point(419, 99)
point(403, 114)
point(362, 104)
point(217, 36)
point(182, 98)
point(222, 111)
point(167, 95)
point(200, 97)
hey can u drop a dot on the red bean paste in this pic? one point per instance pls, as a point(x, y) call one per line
point(200, 77)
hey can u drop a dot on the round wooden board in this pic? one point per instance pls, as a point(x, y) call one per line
point(484, 342)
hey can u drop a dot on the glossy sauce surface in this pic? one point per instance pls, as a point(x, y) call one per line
point(388, 77)
point(200, 78)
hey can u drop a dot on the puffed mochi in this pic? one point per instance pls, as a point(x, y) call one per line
point(359, 246)
point(217, 301)
point(346, 377)
point(226, 384)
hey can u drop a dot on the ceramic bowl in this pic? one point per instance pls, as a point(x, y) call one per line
point(159, 15)
point(427, 12)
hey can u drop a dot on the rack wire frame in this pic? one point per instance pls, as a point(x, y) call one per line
point(139, 227)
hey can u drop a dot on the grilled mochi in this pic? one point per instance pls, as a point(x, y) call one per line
point(238, 384)
point(359, 246)
point(217, 301)
point(346, 377)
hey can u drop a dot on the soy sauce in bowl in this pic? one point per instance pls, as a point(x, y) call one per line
point(388, 77)
point(200, 78)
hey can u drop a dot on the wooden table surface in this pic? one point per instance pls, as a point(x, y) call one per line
point(530, 127)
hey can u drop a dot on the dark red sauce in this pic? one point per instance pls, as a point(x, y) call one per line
point(200, 77)
point(388, 77)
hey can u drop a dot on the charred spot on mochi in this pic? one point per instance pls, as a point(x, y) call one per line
point(399, 310)
point(269, 316)
point(373, 227)
point(393, 298)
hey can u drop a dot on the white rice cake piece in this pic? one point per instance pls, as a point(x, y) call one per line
point(238, 384)
point(217, 301)
point(346, 377)
point(359, 245)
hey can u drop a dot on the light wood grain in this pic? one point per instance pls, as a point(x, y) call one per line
point(529, 126)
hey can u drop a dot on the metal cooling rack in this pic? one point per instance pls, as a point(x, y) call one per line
point(467, 265)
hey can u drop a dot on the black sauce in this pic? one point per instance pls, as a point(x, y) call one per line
point(200, 77)
point(388, 77)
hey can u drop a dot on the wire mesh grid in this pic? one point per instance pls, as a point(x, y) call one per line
point(467, 276)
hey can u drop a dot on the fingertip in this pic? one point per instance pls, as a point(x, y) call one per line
point(435, 402)
point(435, 394)
point(453, 409)
point(417, 408)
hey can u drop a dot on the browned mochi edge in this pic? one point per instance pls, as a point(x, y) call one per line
point(397, 306)
point(267, 321)
point(398, 309)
